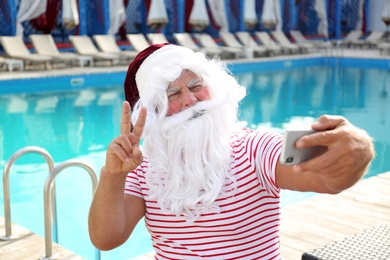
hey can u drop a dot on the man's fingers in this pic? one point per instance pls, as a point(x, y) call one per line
point(140, 124)
point(320, 164)
point(328, 122)
point(325, 138)
point(328, 131)
point(125, 120)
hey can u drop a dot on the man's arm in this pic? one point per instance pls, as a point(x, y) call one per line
point(350, 151)
point(113, 215)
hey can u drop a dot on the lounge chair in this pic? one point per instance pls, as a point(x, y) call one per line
point(156, 38)
point(138, 41)
point(107, 44)
point(384, 47)
point(371, 41)
point(208, 42)
point(185, 40)
point(268, 42)
point(15, 48)
point(85, 46)
point(247, 39)
point(282, 39)
point(346, 42)
point(301, 39)
point(44, 44)
point(11, 64)
point(231, 41)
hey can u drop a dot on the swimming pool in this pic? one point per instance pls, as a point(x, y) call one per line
point(80, 115)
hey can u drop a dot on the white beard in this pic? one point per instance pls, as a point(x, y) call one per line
point(189, 154)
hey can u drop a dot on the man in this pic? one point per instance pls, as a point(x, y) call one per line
point(207, 186)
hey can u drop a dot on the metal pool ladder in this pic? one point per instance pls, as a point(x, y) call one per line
point(6, 185)
point(49, 195)
point(48, 199)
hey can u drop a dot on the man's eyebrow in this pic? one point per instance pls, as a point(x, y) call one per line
point(190, 84)
point(194, 82)
point(172, 89)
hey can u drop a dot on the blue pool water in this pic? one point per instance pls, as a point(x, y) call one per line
point(81, 122)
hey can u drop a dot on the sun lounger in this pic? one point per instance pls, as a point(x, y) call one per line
point(371, 41)
point(44, 44)
point(11, 64)
point(85, 46)
point(231, 41)
point(107, 44)
point(15, 48)
point(247, 39)
point(209, 43)
point(269, 43)
point(156, 38)
point(301, 39)
point(138, 41)
point(282, 39)
point(185, 40)
point(384, 47)
point(346, 42)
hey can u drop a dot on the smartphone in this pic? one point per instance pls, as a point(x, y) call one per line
point(292, 155)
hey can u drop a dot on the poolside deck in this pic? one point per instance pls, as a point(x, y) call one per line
point(324, 219)
point(29, 246)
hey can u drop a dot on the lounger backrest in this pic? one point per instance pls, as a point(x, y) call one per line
point(207, 41)
point(106, 43)
point(185, 39)
point(14, 45)
point(375, 35)
point(44, 44)
point(280, 37)
point(230, 40)
point(353, 35)
point(156, 38)
point(83, 45)
point(264, 38)
point(138, 41)
point(246, 39)
point(298, 36)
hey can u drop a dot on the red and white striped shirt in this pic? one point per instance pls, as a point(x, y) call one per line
point(247, 226)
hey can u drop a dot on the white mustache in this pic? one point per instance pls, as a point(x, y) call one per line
point(193, 112)
point(199, 113)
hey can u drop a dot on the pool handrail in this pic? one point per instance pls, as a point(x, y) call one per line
point(49, 196)
point(6, 185)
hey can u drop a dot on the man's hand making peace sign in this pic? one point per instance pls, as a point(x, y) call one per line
point(113, 215)
point(123, 153)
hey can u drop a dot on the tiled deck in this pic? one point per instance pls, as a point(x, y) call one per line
point(324, 219)
point(29, 246)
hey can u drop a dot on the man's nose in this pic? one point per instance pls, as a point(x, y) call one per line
point(189, 98)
